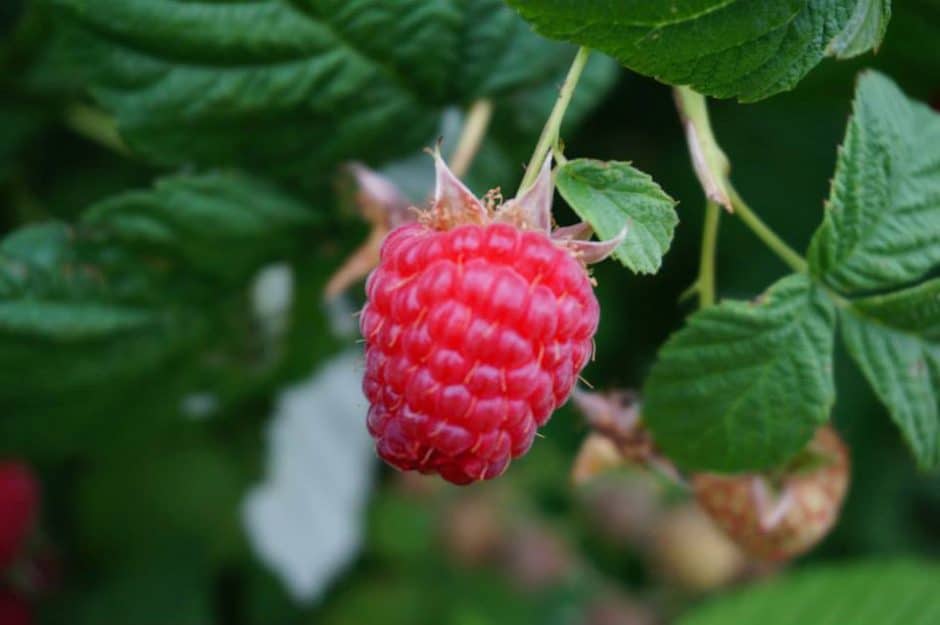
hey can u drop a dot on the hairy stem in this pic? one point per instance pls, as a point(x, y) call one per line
point(706, 268)
point(549, 136)
point(471, 137)
point(764, 233)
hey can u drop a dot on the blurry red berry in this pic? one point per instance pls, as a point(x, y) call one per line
point(13, 609)
point(19, 499)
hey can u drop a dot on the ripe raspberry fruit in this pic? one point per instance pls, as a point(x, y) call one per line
point(478, 321)
point(14, 610)
point(19, 498)
point(777, 521)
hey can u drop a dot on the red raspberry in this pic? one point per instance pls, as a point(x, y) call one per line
point(13, 609)
point(19, 498)
point(477, 324)
point(782, 520)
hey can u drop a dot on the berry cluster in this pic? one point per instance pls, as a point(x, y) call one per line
point(771, 517)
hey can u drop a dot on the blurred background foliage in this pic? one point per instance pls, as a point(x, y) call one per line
point(149, 430)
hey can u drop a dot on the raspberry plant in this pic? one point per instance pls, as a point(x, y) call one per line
point(229, 135)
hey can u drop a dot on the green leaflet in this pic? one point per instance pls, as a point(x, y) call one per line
point(748, 49)
point(745, 384)
point(861, 593)
point(73, 318)
point(297, 86)
point(121, 311)
point(221, 224)
point(614, 195)
point(895, 339)
point(143, 526)
point(172, 585)
point(881, 224)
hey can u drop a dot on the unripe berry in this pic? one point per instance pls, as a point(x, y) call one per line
point(777, 521)
point(690, 551)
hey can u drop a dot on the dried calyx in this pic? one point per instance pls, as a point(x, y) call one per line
point(454, 205)
point(616, 416)
point(384, 206)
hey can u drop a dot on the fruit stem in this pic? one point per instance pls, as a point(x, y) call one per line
point(550, 133)
point(471, 137)
point(706, 269)
point(764, 233)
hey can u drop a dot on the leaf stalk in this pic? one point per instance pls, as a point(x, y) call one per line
point(764, 233)
point(706, 270)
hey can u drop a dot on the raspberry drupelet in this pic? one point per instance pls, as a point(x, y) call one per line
point(478, 320)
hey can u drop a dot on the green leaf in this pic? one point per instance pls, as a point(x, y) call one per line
point(895, 339)
point(222, 224)
point(255, 83)
point(65, 319)
point(296, 85)
point(865, 593)
point(864, 30)
point(84, 339)
point(133, 505)
point(501, 55)
point(174, 586)
point(142, 304)
point(745, 384)
point(747, 49)
point(612, 195)
point(880, 227)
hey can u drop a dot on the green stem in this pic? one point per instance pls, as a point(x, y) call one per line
point(550, 132)
point(765, 234)
point(706, 268)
